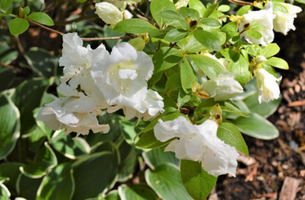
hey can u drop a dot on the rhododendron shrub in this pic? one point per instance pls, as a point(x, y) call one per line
point(152, 105)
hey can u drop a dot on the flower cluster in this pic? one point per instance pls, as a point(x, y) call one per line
point(198, 143)
point(94, 80)
point(267, 20)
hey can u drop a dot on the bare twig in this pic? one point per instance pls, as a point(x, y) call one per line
point(136, 14)
point(47, 28)
point(11, 67)
point(63, 23)
point(106, 38)
point(239, 2)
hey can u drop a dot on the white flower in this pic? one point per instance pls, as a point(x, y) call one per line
point(223, 87)
point(265, 19)
point(77, 61)
point(109, 13)
point(283, 22)
point(74, 114)
point(122, 77)
point(198, 143)
point(268, 88)
point(153, 104)
point(121, 4)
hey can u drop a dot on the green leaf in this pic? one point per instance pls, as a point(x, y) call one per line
point(189, 13)
point(166, 58)
point(158, 6)
point(300, 1)
point(70, 148)
point(27, 187)
point(230, 134)
point(191, 45)
point(187, 75)
point(45, 160)
point(10, 170)
point(279, 7)
point(128, 161)
point(7, 54)
point(7, 78)
point(148, 141)
point(158, 156)
point(135, 26)
point(10, 126)
point(243, 10)
point(257, 127)
point(94, 174)
point(41, 18)
point(27, 97)
point(270, 50)
point(112, 195)
point(173, 82)
point(26, 10)
point(197, 5)
point(277, 62)
point(41, 61)
point(230, 106)
point(230, 30)
point(4, 192)
point(58, 184)
point(209, 66)
point(165, 179)
point(173, 15)
point(196, 180)
point(18, 26)
point(224, 8)
point(208, 39)
point(5, 5)
point(210, 9)
point(254, 34)
point(136, 192)
point(240, 68)
point(210, 22)
point(175, 35)
point(264, 109)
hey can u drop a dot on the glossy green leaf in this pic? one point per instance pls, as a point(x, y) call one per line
point(189, 13)
point(27, 187)
point(148, 141)
point(10, 126)
point(175, 35)
point(68, 146)
point(112, 195)
point(7, 54)
point(128, 161)
point(58, 184)
point(208, 65)
point(197, 5)
point(135, 26)
point(230, 30)
point(277, 62)
point(11, 171)
point(257, 127)
point(137, 192)
point(196, 180)
point(158, 6)
point(264, 109)
point(41, 18)
point(240, 68)
point(5, 5)
point(279, 7)
point(210, 9)
point(224, 8)
point(7, 78)
point(4, 192)
point(173, 82)
point(171, 16)
point(211, 22)
point(270, 50)
point(26, 10)
point(156, 157)
point(166, 181)
point(166, 58)
point(27, 97)
point(41, 61)
point(94, 174)
point(208, 39)
point(45, 160)
point(243, 10)
point(191, 45)
point(254, 34)
point(230, 134)
point(187, 75)
point(18, 26)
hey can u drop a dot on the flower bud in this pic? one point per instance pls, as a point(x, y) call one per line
point(109, 13)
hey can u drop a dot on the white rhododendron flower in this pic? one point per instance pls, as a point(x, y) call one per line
point(265, 19)
point(283, 22)
point(122, 77)
point(223, 87)
point(109, 13)
point(77, 61)
point(198, 143)
point(268, 88)
point(73, 114)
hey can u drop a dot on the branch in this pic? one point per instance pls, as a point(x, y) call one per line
point(240, 2)
point(63, 23)
point(107, 38)
point(11, 67)
point(47, 28)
